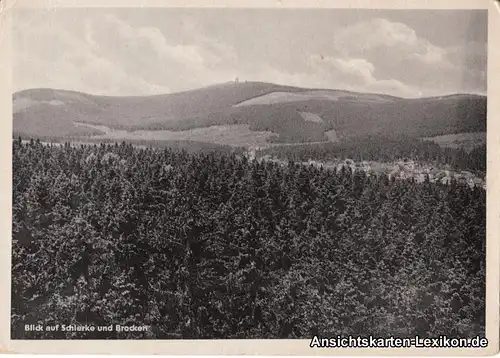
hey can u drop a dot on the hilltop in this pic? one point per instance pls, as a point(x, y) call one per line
point(277, 113)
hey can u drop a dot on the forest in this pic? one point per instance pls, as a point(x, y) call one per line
point(385, 149)
point(350, 114)
point(212, 245)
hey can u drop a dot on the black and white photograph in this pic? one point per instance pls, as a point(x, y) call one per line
point(250, 173)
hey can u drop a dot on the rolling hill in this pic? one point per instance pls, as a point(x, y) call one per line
point(288, 114)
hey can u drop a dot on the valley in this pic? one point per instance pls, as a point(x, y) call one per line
point(280, 114)
point(398, 170)
point(468, 141)
point(438, 137)
point(236, 135)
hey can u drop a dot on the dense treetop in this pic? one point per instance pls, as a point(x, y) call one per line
point(212, 245)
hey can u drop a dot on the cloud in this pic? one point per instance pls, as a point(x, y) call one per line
point(49, 56)
point(329, 72)
point(354, 70)
point(358, 74)
point(398, 53)
point(109, 54)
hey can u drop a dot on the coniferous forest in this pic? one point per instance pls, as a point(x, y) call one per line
point(386, 149)
point(214, 245)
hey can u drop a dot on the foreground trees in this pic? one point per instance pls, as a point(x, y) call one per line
point(210, 245)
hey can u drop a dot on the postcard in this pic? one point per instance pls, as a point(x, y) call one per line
point(250, 177)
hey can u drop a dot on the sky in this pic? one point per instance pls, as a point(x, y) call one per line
point(407, 53)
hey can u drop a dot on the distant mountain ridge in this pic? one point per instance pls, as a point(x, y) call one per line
point(262, 106)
